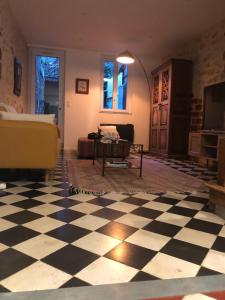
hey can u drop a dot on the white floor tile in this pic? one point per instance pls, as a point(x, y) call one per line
point(50, 189)
point(198, 297)
point(189, 204)
point(215, 260)
point(106, 271)
point(201, 195)
point(115, 196)
point(86, 208)
point(12, 199)
point(176, 196)
point(173, 219)
point(21, 182)
point(46, 209)
point(44, 224)
point(148, 239)
point(133, 220)
point(90, 222)
point(8, 210)
point(48, 198)
point(222, 232)
point(97, 243)
point(165, 267)
point(122, 206)
point(3, 247)
point(40, 246)
point(82, 197)
point(210, 217)
point(145, 196)
point(4, 224)
point(17, 189)
point(157, 206)
point(38, 276)
point(196, 237)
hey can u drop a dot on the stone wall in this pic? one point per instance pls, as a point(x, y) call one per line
point(208, 55)
point(12, 45)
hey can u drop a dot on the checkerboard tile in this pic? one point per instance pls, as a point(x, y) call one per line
point(51, 239)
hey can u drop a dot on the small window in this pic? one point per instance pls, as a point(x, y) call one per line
point(114, 86)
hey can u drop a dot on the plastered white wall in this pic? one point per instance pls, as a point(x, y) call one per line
point(82, 112)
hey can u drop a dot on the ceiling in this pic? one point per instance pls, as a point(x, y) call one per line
point(148, 28)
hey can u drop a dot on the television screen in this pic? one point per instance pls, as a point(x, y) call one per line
point(214, 108)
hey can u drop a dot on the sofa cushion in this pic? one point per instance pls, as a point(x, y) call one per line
point(109, 133)
point(27, 117)
point(126, 131)
point(8, 108)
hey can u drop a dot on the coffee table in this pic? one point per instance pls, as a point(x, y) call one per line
point(110, 161)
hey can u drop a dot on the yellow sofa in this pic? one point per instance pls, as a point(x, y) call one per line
point(28, 145)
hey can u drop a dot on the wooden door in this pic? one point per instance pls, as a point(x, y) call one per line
point(164, 111)
point(155, 113)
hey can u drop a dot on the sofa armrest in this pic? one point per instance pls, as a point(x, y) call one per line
point(28, 144)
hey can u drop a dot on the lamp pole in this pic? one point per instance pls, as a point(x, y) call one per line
point(127, 57)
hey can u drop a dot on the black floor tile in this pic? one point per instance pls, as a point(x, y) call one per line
point(135, 201)
point(66, 215)
point(23, 217)
point(63, 193)
point(205, 272)
point(66, 202)
point(107, 213)
point(68, 233)
point(185, 251)
point(28, 203)
point(70, 259)
point(131, 255)
point(32, 194)
point(197, 199)
point(183, 211)
point(3, 289)
point(142, 276)
point(74, 282)
point(162, 228)
point(219, 244)
point(117, 230)
point(35, 185)
point(205, 226)
point(16, 235)
point(167, 200)
point(147, 212)
point(102, 201)
point(13, 261)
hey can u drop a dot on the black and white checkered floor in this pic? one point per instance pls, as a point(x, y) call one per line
point(50, 239)
point(186, 166)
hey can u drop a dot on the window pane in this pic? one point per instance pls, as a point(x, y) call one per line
point(108, 85)
point(122, 86)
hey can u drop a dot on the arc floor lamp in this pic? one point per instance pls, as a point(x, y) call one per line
point(127, 57)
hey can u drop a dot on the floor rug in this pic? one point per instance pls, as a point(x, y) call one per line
point(157, 177)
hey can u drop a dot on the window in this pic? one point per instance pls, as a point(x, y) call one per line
point(114, 87)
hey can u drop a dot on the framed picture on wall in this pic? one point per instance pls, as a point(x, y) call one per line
point(17, 77)
point(82, 86)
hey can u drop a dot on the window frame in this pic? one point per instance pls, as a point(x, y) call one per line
point(114, 109)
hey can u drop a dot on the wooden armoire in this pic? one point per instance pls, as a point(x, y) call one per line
point(171, 95)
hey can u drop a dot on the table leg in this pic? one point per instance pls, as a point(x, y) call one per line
point(103, 159)
point(141, 159)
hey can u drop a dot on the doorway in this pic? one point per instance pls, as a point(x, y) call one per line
point(47, 86)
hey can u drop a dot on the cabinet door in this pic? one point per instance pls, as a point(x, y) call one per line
point(194, 147)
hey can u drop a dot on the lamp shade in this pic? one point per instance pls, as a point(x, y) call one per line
point(125, 58)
